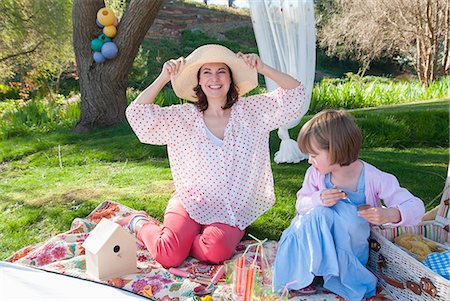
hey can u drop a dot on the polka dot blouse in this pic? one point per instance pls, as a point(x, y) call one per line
point(232, 183)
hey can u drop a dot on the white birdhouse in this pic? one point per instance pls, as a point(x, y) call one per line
point(110, 251)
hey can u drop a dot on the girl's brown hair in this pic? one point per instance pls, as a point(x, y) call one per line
point(202, 103)
point(335, 131)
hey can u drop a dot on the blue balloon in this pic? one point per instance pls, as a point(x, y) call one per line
point(98, 57)
point(109, 50)
point(98, 23)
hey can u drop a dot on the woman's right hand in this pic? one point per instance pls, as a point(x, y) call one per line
point(171, 68)
point(330, 197)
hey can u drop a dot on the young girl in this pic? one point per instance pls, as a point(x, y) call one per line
point(340, 196)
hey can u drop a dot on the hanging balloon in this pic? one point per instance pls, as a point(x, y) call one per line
point(109, 50)
point(110, 31)
point(105, 16)
point(96, 44)
point(98, 57)
point(116, 21)
point(98, 23)
point(104, 38)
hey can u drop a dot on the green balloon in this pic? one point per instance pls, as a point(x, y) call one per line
point(96, 45)
point(104, 38)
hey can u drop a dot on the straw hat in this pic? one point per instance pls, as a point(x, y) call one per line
point(184, 82)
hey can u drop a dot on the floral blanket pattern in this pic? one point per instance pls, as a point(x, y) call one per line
point(63, 254)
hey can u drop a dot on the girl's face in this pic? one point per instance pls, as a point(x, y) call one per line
point(215, 80)
point(320, 159)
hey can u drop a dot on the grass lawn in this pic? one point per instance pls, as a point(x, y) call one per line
point(48, 180)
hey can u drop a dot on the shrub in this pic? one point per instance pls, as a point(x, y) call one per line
point(354, 92)
point(38, 116)
point(9, 91)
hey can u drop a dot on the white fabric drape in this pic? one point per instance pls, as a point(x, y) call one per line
point(285, 34)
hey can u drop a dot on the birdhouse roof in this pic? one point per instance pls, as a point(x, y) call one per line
point(104, 230)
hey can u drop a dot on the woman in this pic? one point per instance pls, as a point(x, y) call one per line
point(218, 151)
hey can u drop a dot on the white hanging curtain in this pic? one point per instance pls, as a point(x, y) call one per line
point(286, 38)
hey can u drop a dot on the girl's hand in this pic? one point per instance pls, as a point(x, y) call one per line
point(331, 196)
point(171, 68)
point(379, 216)
point(252, 60)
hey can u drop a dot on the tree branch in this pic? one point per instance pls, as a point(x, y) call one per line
point(12, 55)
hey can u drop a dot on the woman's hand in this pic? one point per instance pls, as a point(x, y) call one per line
point(330, 197)
point(252, 60)
point(171, 68)
point(283, 80)
point(379, 216)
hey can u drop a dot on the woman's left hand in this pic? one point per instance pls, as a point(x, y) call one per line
point(379, 216)
point(252, 60)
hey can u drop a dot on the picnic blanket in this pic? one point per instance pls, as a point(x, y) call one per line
point(63, 254)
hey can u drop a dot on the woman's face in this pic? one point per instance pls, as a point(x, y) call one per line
point(215, 80)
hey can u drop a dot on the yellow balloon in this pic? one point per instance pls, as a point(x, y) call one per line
point(105, 16)
point(110, 31)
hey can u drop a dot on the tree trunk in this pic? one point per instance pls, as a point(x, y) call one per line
point(446, 37)
point(103, 86)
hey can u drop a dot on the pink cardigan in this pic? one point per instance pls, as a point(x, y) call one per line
point(379, 186)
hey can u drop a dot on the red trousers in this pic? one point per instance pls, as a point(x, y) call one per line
point(181, 236)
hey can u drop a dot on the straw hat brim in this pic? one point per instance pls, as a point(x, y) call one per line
point(184, 82)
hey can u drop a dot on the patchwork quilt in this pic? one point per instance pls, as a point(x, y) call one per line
point(64, 254)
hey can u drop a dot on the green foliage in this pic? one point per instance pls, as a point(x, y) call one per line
point(37, 116)
point(191, 39)
point(9, 91)
point(244, 35)
point(166, 97)
point(332, 65)
point(355, 92)
point(36, 39)
point(149, 61)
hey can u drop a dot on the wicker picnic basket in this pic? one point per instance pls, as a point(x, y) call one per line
point(399, 273)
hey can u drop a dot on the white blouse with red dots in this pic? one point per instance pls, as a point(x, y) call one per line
point(230, 183)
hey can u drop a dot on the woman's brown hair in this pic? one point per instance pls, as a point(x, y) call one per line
point(202, 103)
point(335, 131)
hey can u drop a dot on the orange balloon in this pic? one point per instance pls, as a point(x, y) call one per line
point(105, 16)
point(110, 31)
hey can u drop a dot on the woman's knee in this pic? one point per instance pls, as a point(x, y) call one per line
point(217, 243)
point(170, 249)
point(217, 251)
point(169, 260)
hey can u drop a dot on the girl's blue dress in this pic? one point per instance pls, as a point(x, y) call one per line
point(329, 242)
